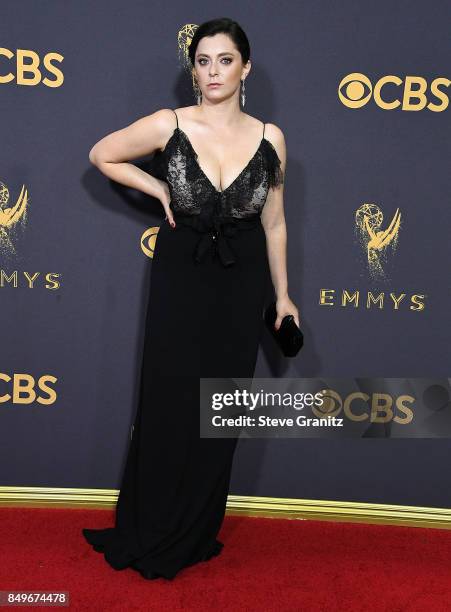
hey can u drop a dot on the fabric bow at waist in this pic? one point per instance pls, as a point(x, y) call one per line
point(214, 233)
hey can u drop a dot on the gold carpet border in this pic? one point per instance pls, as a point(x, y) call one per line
point(239, 505)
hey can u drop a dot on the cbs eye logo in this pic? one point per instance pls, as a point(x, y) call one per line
point(412, 94)
point(148, 241)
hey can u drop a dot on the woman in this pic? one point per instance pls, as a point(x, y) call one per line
point(222, 193)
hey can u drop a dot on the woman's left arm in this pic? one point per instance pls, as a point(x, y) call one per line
point(273, 221)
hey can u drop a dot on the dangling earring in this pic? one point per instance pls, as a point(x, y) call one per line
point(243, 95)
point(197, 91)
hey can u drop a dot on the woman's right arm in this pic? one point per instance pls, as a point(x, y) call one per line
point(112, 153)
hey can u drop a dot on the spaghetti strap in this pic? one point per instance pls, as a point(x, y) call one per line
point(176, 118)
point(264, 129)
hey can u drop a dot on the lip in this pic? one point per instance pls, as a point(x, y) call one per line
point(214, 84)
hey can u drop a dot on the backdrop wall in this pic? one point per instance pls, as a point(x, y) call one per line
point(361, 93)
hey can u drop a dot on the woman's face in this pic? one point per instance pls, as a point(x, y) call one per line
point(217, 60)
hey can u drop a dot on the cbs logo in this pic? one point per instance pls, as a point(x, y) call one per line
point(383, 407)
point(24, 389)
point(355, 90)
point(29, 67)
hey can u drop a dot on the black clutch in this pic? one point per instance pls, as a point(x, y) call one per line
point(289, 337)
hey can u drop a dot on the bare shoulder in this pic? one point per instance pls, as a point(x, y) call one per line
point(141, 137)
point(149, 132)
point(160, 120)
point(276, 137)
point(274, 134)
point(164, 116)
point(162, 123)
point(154, 129)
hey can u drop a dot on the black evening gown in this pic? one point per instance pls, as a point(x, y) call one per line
point(209, 281)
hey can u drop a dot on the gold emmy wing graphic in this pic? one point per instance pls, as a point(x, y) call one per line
point(10, 217)
point(375, 240)
point(184, 38)
point(148, 240)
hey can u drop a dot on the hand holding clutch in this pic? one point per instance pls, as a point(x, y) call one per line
point(289, 337)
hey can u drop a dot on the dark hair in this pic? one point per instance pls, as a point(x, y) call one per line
point(221, 25)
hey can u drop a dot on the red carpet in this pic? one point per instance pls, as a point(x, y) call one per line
point(266, 565)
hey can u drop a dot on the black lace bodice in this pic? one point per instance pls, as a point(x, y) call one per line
point(191, 190)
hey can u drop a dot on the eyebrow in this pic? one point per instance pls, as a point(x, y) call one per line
point(223, 53)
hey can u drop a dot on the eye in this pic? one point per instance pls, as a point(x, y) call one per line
point(204, 59)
